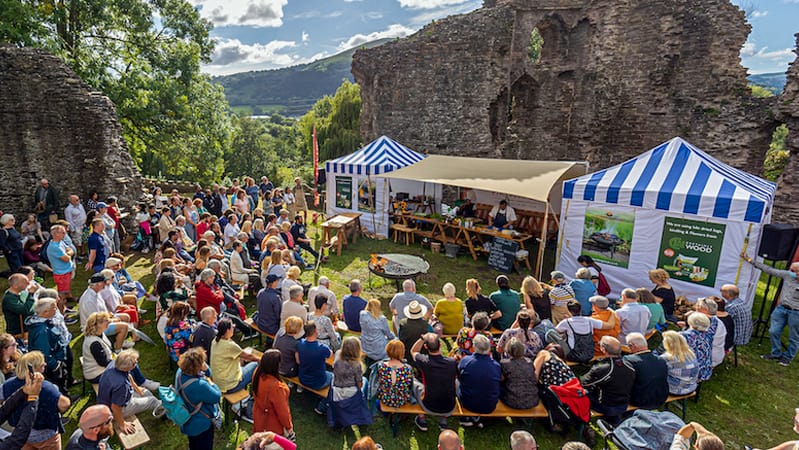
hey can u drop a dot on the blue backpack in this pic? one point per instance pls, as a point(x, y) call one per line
point(173, 403)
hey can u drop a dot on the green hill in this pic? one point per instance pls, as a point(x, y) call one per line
point(289, 91)
point(773, 82)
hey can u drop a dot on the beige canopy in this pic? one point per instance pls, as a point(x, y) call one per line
point(528, 179)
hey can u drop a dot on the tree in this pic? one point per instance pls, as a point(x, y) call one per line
point(338, 122)
point(777, 154)
point(145, 56)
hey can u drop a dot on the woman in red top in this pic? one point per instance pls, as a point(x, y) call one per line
point(271, 410)
point(207, 294)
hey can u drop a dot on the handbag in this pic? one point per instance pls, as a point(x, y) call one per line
point(53, 218)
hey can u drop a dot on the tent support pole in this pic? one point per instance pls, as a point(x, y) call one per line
point(561, 233)
point(743, 252)
point(543, 242)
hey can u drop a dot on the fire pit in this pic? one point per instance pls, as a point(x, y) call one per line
point(607, 241)
point(397, 267)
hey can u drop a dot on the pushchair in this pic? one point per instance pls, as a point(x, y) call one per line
point(643, 430)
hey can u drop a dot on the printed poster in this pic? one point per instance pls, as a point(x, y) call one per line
point(344, 192)
point(366, 196)
point(608, 234)
point(690, 250)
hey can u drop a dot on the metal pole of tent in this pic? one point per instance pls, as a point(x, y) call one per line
point(543, 242)
point(372, 206)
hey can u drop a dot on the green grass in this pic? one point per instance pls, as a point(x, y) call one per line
point(749, 404)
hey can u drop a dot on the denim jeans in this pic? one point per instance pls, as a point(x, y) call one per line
point(781, 317)
point(246, 377)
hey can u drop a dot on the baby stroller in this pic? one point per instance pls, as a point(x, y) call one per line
point(644, 430)
point(568, 406)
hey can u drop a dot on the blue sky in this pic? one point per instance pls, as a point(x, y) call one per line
point(269, 34)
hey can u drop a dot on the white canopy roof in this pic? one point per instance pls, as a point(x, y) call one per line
point(528, 179)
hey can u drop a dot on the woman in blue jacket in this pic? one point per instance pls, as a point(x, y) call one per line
point(196, 388)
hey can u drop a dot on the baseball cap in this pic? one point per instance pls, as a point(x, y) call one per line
point(271, 278)
point(102, 205)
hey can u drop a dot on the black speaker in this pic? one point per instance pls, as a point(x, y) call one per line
point(321, 178)
point(778, 242)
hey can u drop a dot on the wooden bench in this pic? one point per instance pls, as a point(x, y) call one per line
point(135, 440)
point(501, 411)
point(680, 400)
point(250, 323)
point(342, 327)
point(296, 380)
point(228, 400)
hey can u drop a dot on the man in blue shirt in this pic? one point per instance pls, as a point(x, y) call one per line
point(479, 377)
point(269, 306)
point(118, 391)
point(352, 305)
point(311, 355)
point(96, 246)
point(60, 256)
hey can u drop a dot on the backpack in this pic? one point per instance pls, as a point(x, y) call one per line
point(583, 349)
point(173, 403)
point(43, 253)
point(602, 287)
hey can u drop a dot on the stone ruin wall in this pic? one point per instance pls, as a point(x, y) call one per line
point(54, 126)
point(612, 82)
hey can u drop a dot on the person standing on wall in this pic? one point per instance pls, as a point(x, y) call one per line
point(45, 202)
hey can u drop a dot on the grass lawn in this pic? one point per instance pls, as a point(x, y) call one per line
point(749, 404)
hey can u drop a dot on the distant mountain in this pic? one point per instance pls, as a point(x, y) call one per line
point(290, 91)
point(774, 82)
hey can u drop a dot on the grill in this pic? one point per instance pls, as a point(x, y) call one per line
point(397, 266)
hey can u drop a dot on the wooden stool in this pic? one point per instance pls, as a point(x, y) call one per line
point(406, 231)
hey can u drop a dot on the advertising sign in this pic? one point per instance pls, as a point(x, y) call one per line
point(608, 234)
point(690, 250)
point(344, 192)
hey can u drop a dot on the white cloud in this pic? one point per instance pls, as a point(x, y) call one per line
point(750, 50)
point(757, 14)
point(305, 37)
point(429, 4)
point(395, 30)
point(314, 14)
point(233, 51)
point(254, 13)
point(373, 15)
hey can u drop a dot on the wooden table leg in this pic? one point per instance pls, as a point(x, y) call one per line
point(470, 244)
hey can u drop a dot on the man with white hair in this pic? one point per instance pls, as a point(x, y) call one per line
point(786, 314)
point(610, 381)
point(480, 378)
point(323, 289)
point(119, 392)
point(76, 216)
point(633, 316)
point(522, 440)
point(293, 307)
point(90, 302)
point(651, 386)
point(403, 299)
point(44, 336)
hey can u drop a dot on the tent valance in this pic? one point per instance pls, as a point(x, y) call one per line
point(678, 177)
point(380, 156)
point(523, 178)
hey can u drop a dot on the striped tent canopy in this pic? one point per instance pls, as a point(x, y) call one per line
point(678, 177)
point(381, 156)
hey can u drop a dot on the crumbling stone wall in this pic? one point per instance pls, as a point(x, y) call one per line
point(615, 78)
point(787, 111)
point(52, 125)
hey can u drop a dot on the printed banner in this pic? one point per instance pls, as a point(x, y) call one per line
point(690, 250)
point(366, 195)
point(608, 234)
point(344, 192)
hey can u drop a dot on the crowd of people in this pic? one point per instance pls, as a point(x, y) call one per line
point(514, 347)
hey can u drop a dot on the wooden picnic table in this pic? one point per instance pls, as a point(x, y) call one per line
point(335, 231)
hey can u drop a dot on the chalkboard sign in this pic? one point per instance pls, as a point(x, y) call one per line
point(503, 255)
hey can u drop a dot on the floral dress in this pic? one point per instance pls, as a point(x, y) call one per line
point(554, 372)
point(701, 342)
point(177, 339)
point(396, 392)
point(464, 341)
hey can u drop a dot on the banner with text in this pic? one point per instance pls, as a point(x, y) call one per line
point(690, 250)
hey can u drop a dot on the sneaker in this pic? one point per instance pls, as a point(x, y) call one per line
point(442, 424)
point(770, 357)
point(309, 267)
point(420, 423)
point(69, 311)
point(299, 389)
point(784, 362)
point(159, 411)
point(151, 298)
point(128, 344)
point(477, 422)
point(245, 414)
point(466, 422)
point(70, 320)
point(320, 408)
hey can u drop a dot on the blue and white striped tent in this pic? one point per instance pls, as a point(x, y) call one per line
point(380, 156)
point(675, 189)
point(678, 177)
point(352, 178)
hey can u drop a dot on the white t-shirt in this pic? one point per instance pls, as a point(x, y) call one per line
point(581, 325)
point(510, 213)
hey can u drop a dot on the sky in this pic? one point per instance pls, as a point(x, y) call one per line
point(270, 34)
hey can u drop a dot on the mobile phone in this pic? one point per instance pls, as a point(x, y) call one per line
point(30, 371)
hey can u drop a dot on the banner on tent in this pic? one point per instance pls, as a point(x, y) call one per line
point(608, 234)
point(344, 192)
point(690, 249)
point(366, 195)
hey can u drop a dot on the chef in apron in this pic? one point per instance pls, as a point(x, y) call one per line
point(502, 216)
